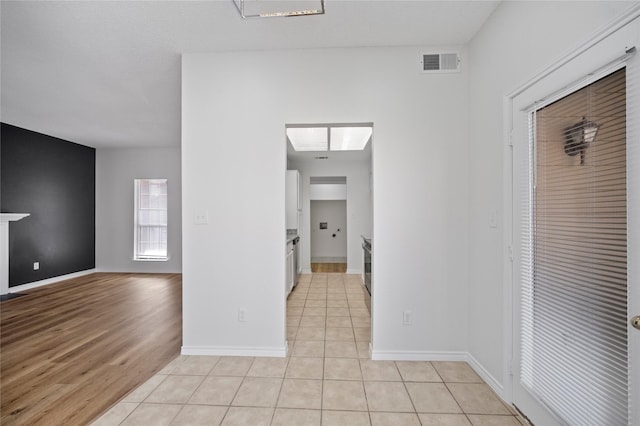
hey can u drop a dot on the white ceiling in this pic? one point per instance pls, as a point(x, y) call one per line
point(107, 73)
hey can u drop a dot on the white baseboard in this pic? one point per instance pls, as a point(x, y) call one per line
point(354, 271)
point(418, 355)
point(136, 271)
point(307, 271)
point(486, 376)
point(36, 284)
point(234, 351)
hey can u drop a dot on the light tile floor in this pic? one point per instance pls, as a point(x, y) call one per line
point(327, 378)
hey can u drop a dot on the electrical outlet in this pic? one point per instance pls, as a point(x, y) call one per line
point(242, 315)
point(407, 317)
point(36, 266)
point(201, 217)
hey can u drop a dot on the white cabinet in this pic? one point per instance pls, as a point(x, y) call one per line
point(290, 275)
point(293, 199)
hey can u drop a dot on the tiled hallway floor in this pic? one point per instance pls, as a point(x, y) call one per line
point(327, 378)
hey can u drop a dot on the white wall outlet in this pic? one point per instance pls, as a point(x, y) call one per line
point(407, 317)
point(36, 266)
point(242, 315)
point(201, 217)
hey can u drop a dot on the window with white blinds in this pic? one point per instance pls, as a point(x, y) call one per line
point(574, 283)
point(150, 219)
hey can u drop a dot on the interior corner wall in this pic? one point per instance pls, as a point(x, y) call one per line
point(54, 181)
point(116, 169)
point(518, 41)
point(359, 207)
point(233, 165)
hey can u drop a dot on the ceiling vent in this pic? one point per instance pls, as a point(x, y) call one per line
point(440, 62)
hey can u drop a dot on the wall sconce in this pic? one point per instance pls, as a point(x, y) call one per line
point(579, 136)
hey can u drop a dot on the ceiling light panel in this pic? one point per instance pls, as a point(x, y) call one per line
point(308, 138)
point(275, 8)
point(350, 138)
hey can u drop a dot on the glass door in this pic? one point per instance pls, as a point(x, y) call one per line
point(572, 358)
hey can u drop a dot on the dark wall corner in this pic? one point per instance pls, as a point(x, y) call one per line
point(54, 181)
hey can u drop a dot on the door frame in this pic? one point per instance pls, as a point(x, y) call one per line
point(601, 51)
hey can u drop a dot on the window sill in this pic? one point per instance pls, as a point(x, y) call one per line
point(165, 259)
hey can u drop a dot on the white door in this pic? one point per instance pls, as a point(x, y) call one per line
point(576, 270)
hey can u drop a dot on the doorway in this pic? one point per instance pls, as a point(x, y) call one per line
point(334, 163)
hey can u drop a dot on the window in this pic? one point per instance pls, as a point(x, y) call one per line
point(150, 219)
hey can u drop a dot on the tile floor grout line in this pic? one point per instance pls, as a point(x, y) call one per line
point(127, 416)
point(456, 400)
point(404, 384)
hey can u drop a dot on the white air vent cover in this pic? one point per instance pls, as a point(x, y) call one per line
point(440, 62)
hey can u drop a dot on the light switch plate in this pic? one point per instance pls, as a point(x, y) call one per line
point(493, 219)
point(407, 317)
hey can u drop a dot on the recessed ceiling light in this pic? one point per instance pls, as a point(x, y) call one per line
point(349, 138)
point(279, 8)
point(339, 137)
point(308, 138)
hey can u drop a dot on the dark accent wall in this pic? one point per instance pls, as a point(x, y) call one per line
point(54, 180)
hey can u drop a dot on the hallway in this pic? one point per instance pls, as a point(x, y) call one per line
point(327, 378)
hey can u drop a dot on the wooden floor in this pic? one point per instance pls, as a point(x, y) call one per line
point(71, 350)
point(329, 267)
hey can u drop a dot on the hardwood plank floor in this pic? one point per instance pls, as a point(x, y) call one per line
point(71, 350)
point(329, 267)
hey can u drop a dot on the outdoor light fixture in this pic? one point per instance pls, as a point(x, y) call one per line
point(278, 8)
point(579, 136)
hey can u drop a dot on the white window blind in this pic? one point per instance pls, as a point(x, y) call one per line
point(150, 217)
point(574, 283)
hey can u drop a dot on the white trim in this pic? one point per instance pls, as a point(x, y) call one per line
point(151, 259)
point(419, 355)
point(354, 271)
point(507, 248)
point(234, 351)
point(486, 376)
point(41, 283)
point(574, 86)
point(12, 217)
point(307, 271)
point(624, 19)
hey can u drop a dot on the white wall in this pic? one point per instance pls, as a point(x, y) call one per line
point(115, 171)
point(233, 164)
point(359, 207)
point(332, 241)
point(508, 51)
